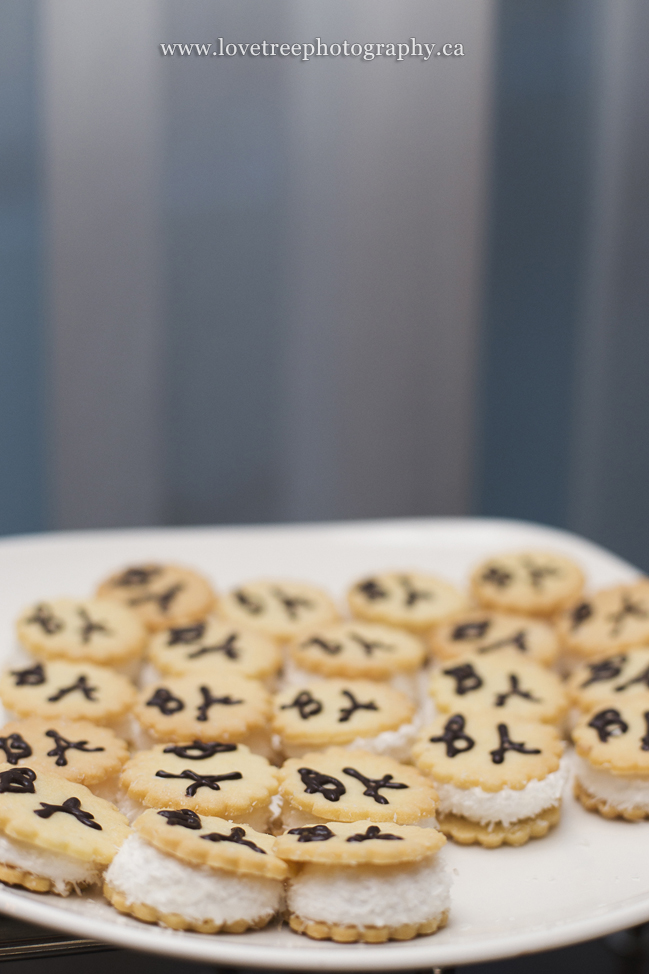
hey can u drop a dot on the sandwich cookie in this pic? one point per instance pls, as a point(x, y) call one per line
point(364, 881)
point(348, 786)
point(617, 676)
point(409, 599)
point(55, 835)
point(193, 872)
point(212, 644)
point(279, 609)
point(206, 707)
point(211, 778)
point(76, 749)
point(62, 689)
point(612, 760)
point(606, 622)
point(499, 781)
point(358, 651)
point(346, 712)
point(535, 583)
point(504, 683)
point(98, 630)
point(162, 595)
point(487, 633)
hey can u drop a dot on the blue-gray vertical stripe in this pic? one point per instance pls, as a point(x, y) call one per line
point(22, 462)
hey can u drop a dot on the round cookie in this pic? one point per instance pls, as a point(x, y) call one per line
point(608, 621)
point(409, 599)
point(347, 786)
point(60, 689)
point(529, 582)
point(214, 644)
point(498, 782)
point(205, 707)
point(485, 632)
point(504, 683)
point(192, 872)
point(337, 712)
point(280, 609)
point(358, 651)
point(210, 778)
point(358, 843)
point(46, 811)
point(99, 630)
point(616, 676)
point(78, 750)
point(162, 595)
point(615, 737)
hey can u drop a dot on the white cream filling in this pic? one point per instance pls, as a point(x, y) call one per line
point(507, 805)
point(620, 791)
point(293, 818)
point(257, 817)
point(375, 896)
point(396, 744)
point(144, 875)
point(65, 872)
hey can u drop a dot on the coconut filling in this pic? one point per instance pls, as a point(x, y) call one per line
point(66, 873)
point(294, 818)
point(257, 817)
point(372, 896)
point(507, 805)
point(623, 792)
point(142, 874)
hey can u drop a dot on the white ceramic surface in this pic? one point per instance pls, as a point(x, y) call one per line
point(585, 880)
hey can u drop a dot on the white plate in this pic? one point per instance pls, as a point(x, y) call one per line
point(586, 879)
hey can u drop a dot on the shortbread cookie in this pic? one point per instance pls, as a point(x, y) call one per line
point(55, 835)
point(615, 676)
point(205, 707)
point(279, 609)
point(487, 633)
point(78, 750)
point(191, 872)
point(530, 582)
point(505, 683)
point(606, 622)
point(612, 761)
point(409, 599)
point(358, 651)
point(162, 595)
point(496, 774)
point(99, 630)
point(214, 644)
point(211, 778)
point(61, 689)
point(368, 882)
point(494, 834)
point(348, 786)
point(338, 712)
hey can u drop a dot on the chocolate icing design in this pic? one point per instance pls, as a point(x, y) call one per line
point(331, 649)
point(628, 609)
point(316, 783)
point(506, 744)
point(312, 833)
point(89, 627)
point(199, 781)
point(372, 590)
point(228, 647)
point(374, 832)
point(237, 836)
point(607, 669)
point(81, 685)
point(17, 781)
point(374, 785)
point(44, 617)
point(306, 705)
point(346, 713)
point(15, 748)
point(514, 691)
point(452, 735)
point(369, 645)
point(185, 635)
point(182, 816)
point(641, 678)
point(61, 745)
point(466, 678)
point(32, 677)
point(166, 702)
point(71, 806)
point(470, 630)
point(608, 723)
point(580, 614)
point(163, 600)
point(500, 577)
point(136, 576)
point(199, 750)
point(202, 712)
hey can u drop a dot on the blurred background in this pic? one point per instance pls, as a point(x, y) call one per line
point(246, 290)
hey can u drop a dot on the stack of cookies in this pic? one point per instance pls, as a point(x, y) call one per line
point(221, 760)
